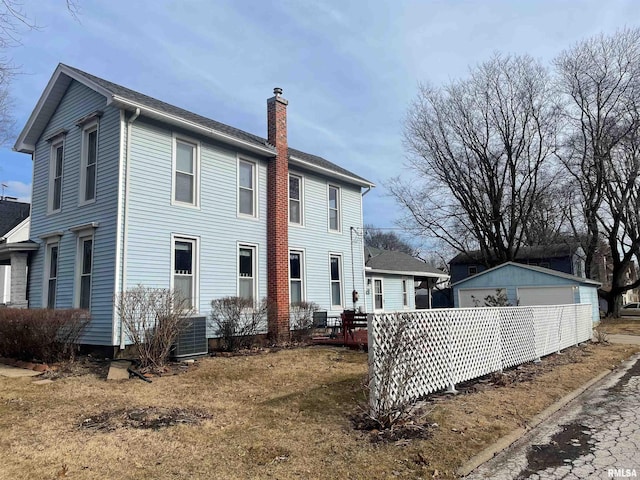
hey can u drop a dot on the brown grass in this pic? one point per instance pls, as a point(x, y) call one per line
point(281, 415)
point(624, 326)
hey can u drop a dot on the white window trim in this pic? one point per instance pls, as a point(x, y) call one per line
point(381, 280)
point(254, 163)
point(301, 189)
point(256, 272)
point(50, 242)
point(404, 284)
point(196, 170)
point(84, 157)
point(341, 271)
point(196, 265)
point(82, 236)
point(329, 187)
point(303, 272)
point(52, 168)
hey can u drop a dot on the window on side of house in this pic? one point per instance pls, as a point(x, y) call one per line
point(335, 264)
point(378, 294)
point(89, 163)
point(51, 259)
point(296, 276)
point(246, 188)
point(295, 199)
point(84, 272)
point(334, 208)
point(473, 269)
point(247, 272)
point(55, 176)
point(185, 270)
point(186, 171)
point(405, 293)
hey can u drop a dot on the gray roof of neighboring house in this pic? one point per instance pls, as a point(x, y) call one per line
point(11, 214)
point(524, 253)
point(535, 268)
point(398, 262)
point(120, 94)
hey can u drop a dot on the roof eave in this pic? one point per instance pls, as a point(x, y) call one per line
point(316, 168)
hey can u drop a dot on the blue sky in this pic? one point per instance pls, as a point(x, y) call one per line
point(349, 69)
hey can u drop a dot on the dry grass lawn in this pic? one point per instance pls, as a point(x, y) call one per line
point(624, 326)
point(280, 415)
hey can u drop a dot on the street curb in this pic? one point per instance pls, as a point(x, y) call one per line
point(508, 440)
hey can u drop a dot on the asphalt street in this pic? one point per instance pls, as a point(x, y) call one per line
point(597, 436)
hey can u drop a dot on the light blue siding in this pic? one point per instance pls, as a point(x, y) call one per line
point(391, 292)
point(78, 102)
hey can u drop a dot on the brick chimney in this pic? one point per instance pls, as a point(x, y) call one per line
point(278, 219)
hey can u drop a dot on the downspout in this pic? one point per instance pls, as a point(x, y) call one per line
point(125, 236)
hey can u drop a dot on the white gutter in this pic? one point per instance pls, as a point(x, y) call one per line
point(332, 173)
point(126, 209)
point(407, 273)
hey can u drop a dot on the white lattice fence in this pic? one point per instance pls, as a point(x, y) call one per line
point(412, 354)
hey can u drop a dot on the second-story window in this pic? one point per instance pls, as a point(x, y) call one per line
point(334, 208)
point(246, 188)
point(185, 188)
point(55, 177)
point(295, 199)
point(89, 163)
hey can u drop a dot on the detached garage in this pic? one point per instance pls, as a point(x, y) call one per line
point(525, 285)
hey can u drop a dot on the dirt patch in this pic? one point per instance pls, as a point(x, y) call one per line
point(417, 426)
point(623, 326)
point(147, 418)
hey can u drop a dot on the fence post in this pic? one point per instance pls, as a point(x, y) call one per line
point(452, 386)
point(371, 348)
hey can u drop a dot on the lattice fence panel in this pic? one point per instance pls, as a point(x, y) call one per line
point(517, 336)
point(546, 325)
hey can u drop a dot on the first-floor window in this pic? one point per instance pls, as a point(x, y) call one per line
point(378, 296)
point(184, 278)
point(295, 277)
point(247, 272)
point(405, 294)
point(85, 271)
point(52, 274)
point(336, 280)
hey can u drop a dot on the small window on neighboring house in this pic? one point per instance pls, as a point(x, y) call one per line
point(334, 208)
point(55, 176)
point(295, 199)
point(89, 163)
point(544, 264)
point(186, 166)
point(85, 269)
point(405, 294)
point(296, 266)
point(336, 280)
point(185, 270)
point(473, 270)
point(51, 274)
point(378, 295)
point(247, 272)
point(246, 188)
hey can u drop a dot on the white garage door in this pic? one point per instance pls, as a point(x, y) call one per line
point(474, 297)
point(545, 295)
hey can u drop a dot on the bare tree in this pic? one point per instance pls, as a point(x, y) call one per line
point(481, 155)
point(600, 78)
point(378, 238)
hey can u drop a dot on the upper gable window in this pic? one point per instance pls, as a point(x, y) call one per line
point(55, 176)
point(89, 163)
point(246, 188)
point(185, 172)
point(295, 199)
point(334, 208)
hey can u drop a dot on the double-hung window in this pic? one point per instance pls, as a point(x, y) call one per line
point(335, 267)
point(89, 163)
point(55, 176)
point(246, 188)
point(378, 295)
point(247, 272)
point(405, 294)
point(296, 277)
point(295, 199)
point(185, 255)
point(85, 270)
point(51, 259)
point(186, 169)
point(334, 208)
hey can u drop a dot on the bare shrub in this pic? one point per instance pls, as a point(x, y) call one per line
point(301, 318)
point(41, 334)
point(237, 321)
point(600, 335)
point(153, 319)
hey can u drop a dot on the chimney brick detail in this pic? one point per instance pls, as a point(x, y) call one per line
point(278, 220)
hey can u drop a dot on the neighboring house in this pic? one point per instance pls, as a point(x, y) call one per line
point(526, 285)
point(393, 277)
point(561, 257)
point(14, 250)
point(130, 190)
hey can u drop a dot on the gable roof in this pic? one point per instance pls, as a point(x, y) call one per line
point(11, 214)
point(387, 261)
point(535, 252)
point(123, 97)
point(546, 271)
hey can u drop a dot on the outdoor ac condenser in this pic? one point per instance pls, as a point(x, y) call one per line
point(192, 340)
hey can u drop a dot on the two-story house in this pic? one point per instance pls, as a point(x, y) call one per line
point(130, 190)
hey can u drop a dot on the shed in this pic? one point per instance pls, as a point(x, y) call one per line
point(526, 285)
